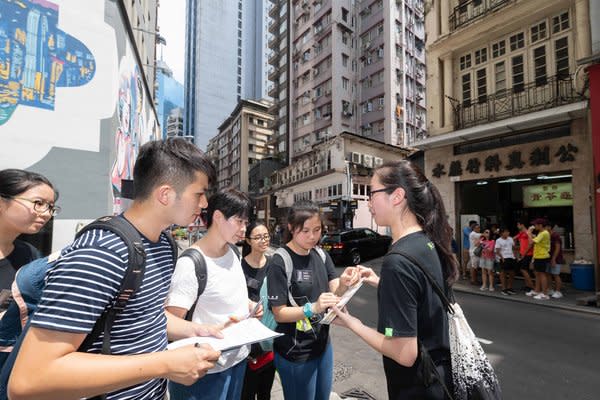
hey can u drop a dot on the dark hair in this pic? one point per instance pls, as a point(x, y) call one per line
point(13, 182)
point(174, 161)
point(472, 222)
point(246, 248)
point(297, 216)
point(425, 202)
point(231, 202)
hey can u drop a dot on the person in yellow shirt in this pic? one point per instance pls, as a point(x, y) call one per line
point(541, 258)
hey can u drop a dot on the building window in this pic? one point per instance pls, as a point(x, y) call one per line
point(561, 55)
point(499, 49)
point(500, 77)
point(345, 83)
point(518, 74)
point(481, 86)
point(539, 63)
point(465, 62)
point(538, 32)
point(560, 22)
point(345, 60)
point(517, 41)
point(466, 90)
point(480, 56)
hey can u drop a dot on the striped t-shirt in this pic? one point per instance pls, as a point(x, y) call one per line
point(87, 277)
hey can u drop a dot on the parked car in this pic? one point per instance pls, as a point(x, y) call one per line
point(353, 245)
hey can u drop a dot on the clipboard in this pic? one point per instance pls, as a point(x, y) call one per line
point(331, 315)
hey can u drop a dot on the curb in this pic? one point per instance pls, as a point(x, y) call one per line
point(548, 303)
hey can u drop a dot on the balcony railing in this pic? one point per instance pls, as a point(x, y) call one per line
point(521, 99)
point(468, 11)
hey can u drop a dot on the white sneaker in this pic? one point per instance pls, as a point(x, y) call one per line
point(531, 293)
point(541, 296)
point(550, 292)
point(557, 295)
point(482, 288)
point(491, 288)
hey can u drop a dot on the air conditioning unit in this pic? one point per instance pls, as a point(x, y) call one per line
point(356, 158)
point(327, 92)
point(367, 160)
point(377, 161)
point(366, 45)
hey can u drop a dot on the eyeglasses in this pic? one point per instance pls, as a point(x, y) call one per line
point(264, 237)
point(40, 206)
point(387, 190)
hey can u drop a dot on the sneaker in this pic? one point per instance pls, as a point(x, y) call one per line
point(482, 288)
point(510, 291)
point(550, 292)
point(527, 289)
point(541, 296)
point(491, 289)
point(557, 295)
point(531, 293)
point(505, 292)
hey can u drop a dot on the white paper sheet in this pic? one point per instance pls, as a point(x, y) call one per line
point(330, 316)
point(245, 332)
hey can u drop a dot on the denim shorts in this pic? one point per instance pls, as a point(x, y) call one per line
point(553, 270)
point(487, 263)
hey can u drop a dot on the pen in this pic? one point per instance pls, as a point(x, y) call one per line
point(220, 361)
point(255, 309)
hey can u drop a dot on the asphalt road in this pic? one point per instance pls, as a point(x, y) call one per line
point(537, 352)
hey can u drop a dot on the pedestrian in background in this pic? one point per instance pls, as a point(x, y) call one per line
point(556, 262)
point(225, 295)
point(488, 258)
point(466, 246)
point(27, 202)
point(541, 258)
point(303, 355)
point(505, 252)
point(474, 259)
point(261, 369)
point(410, 312)
point(525, 255)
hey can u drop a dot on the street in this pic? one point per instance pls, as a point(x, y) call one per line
point(537, 352)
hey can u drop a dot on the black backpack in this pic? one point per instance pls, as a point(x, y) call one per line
point(34, 280)
point(201, 272)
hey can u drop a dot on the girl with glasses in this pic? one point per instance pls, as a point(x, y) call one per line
point(27, 202)
point(261, 370)
point(410, 312)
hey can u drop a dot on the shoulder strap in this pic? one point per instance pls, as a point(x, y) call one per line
point(236, 251)
point(436, 288)
point(201, 275)
point(321, 253)
point(131, 282)
point(289, 268)
point(174, 246)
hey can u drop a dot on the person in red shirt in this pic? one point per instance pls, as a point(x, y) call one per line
point(525, 255)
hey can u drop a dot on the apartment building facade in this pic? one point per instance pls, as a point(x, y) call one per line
point(243, 140)
point(508, 121)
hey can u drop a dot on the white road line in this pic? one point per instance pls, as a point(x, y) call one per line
point(484, 341)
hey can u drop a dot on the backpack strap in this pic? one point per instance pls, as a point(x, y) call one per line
point(289, 268)
point(131, 282)
point(201, 272)
point(321, 253)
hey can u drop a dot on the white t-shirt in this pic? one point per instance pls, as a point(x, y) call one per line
point(225, 295)
point(506, 247)
point(473, 238)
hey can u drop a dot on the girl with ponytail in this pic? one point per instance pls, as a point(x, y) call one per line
point(410, 312)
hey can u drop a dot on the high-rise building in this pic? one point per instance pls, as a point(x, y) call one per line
point(225, 61)
point(174, 124)
point(169, 95)
point(241, 142)
point(509, 119)
point(348, 66)
point(142, 15)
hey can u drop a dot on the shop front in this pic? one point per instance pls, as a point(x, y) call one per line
point(545, 172)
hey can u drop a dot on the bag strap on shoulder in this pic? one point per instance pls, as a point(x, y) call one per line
point(289, 268)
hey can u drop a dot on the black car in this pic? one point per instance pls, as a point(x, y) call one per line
point(353, 245)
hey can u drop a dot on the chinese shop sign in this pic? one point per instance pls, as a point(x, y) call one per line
point(514, 161)
point(550, 195)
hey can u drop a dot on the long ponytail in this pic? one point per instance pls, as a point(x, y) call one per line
point(425, 202)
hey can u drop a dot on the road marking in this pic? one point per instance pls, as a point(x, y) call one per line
point(484, 341)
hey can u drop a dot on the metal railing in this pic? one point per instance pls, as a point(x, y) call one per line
point(519, 100)
point(468, 11)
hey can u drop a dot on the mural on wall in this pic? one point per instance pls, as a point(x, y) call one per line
point(36, 56)
point(134, 126)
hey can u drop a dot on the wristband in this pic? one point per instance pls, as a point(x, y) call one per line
point(307, 310)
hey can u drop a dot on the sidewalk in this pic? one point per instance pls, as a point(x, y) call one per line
point(569, 301)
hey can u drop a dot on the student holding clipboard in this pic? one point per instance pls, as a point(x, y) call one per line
point(410, 312)
point(303, 355)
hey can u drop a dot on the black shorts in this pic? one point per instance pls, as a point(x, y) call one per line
point(540, 265)
point(509, 264)
point(524, 263)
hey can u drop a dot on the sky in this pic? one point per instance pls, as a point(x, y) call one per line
point(171, 23)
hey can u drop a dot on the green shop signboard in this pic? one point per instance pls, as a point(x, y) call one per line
point(548, 195)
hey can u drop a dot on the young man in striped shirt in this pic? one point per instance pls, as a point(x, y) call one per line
point(171, 179)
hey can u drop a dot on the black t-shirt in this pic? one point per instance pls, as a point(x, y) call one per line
point(408, 306)
point(310, 278)
point(254, 278)
point(22, 254)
